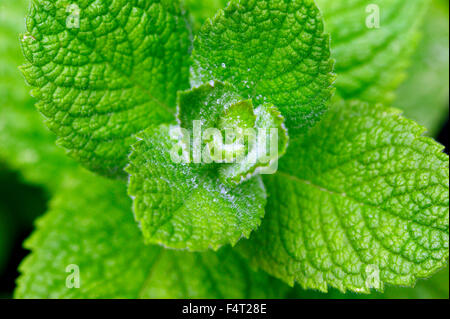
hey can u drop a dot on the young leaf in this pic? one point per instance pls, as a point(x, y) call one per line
point(359, 201)
point(248, 134)
point(424, 94)
point(372, 42)
point(26, 144)
point(103, 71)
point(184, 205)
point(99, 241)
point(274, 51)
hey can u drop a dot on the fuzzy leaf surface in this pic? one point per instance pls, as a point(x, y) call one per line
point(185, 205)
point(108, 77)
point(101, 238)
point(363, 193)
point(252, 137)
point(272, 51)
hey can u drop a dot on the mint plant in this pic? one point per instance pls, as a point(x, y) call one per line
point(357, 198)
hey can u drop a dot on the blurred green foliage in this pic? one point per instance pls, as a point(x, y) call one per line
point(201, 10)
point(424, 94)
point(26, 146)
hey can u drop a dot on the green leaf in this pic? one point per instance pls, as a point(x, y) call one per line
point(371, 61)
point(108, 77)
point(361, 196)
point(25, 144)
point(207, 103)
point(224, 274)
point(101, 238)
point(201, 10)
point(272, 139)
point(424, 94)
point(435, 287)
point(184, 205)
point(207, 196)
point(274, 51)
point(247, 134)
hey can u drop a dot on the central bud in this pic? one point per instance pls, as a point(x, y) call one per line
point(219, 127)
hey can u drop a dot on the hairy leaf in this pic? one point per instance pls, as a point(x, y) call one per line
point(201, 10)
point(372, 42)
point(361, 197)
point(246, 140)
point(103, 71)
point(274, 51)
point(184, 205)
point(100, 237)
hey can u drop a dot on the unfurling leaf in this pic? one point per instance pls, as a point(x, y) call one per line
point(272, 51)
point(100, 239)
point(185, 205)
point(246, 140)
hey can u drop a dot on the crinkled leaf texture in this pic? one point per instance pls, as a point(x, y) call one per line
point(274, 51)
point(116, 74)
point(216, 105)
point(363, 193)
point(371, 60)
point(101, 238)
point(184, 205)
